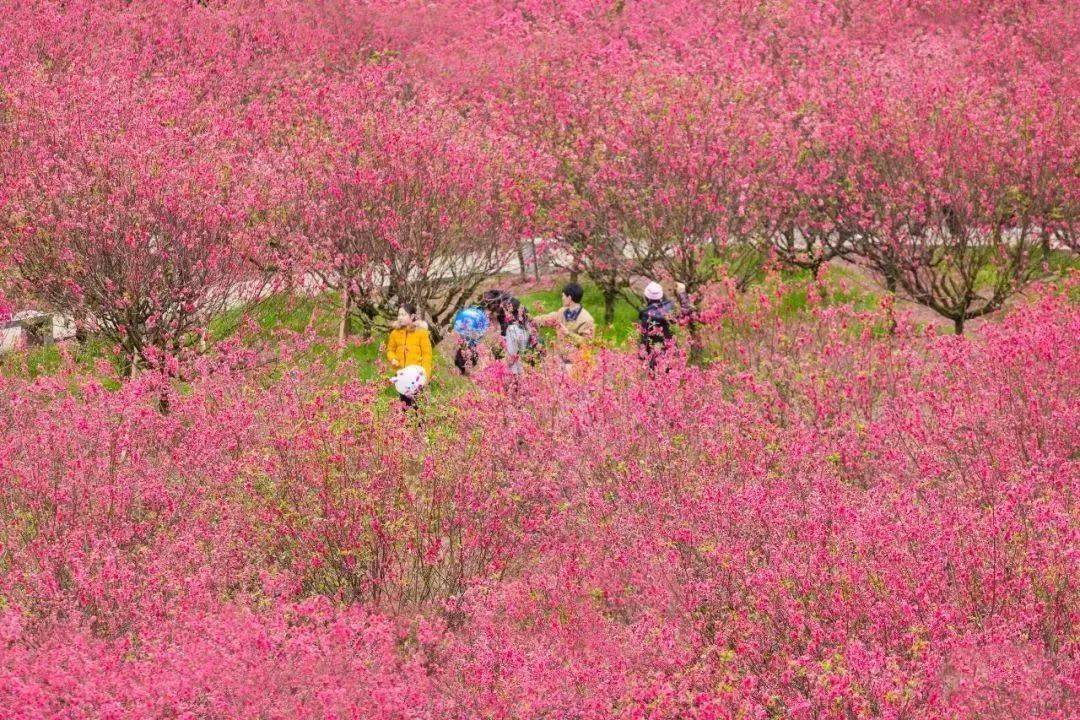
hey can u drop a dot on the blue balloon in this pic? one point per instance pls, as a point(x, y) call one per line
point(471, 323)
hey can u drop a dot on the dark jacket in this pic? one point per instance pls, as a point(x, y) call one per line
point(655, 320)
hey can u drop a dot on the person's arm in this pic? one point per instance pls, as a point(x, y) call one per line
point(393, 347)
point(587, 330)
point(425, 352)
point(551, 318)
point(686, 305)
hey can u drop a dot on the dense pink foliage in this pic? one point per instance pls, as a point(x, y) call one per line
point(843, 516)
point(826, 524)
point(393, 138)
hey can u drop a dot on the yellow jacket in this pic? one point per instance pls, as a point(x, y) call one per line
point(410, 346)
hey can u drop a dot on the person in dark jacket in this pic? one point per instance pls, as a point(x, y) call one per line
point(655, 322)
point(467, 357)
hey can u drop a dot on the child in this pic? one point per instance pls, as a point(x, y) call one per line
point(467, 356)
point(517, 329)
point(409, 344)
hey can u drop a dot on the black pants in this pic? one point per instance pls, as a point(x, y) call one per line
point(409, 402)
point(652, 353)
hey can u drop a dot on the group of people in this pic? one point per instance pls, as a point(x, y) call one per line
point(409, 349)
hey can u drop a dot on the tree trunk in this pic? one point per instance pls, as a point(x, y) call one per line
point(890, 281)
point(609, 305)
point(890, 315)
point(822, 290)
point(345, 321)
point(536, 259)
point(958, 325)
point(129, 360)
point(697, 343)
point(524, 271)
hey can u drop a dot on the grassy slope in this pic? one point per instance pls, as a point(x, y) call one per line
point(296, 314)
point(847, 284)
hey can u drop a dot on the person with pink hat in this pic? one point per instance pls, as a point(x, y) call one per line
point(655, 322)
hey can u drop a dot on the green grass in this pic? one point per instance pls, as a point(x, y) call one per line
point(284, 313)
point(358, 357)
point(842, 290)
point(295, 314)
point(277, 312)
point(48, 359)
point(1061, 261)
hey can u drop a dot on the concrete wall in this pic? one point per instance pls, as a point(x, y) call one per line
point(13, 333)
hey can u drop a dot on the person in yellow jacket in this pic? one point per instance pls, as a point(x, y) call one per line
point(409, 344)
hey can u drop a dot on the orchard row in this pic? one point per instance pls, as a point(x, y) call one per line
point(157, 155)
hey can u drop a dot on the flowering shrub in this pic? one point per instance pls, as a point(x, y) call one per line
point(832, 522)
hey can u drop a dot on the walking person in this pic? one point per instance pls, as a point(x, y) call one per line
point(576, 326)
point(520, 340)
point(654, 322)
point(409, 345)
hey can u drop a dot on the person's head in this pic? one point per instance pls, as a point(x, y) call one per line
point(572, 294)
point(654, 291)
point(491, 299)
point(489, 302)
point(406, 314)
point(496, 304)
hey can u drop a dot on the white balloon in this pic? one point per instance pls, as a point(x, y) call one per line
point(409, 380)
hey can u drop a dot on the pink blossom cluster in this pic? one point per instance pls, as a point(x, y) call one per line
point(830, 522)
